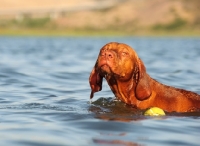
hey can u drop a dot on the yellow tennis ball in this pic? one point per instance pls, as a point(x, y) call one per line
point(154, 111)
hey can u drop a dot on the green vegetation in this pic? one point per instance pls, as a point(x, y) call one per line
point(34, 23)
point(46, 27)
point(174, 25)
point(82, 32)
point(26, 22)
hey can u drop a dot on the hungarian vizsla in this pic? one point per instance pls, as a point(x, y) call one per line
point(127, 77)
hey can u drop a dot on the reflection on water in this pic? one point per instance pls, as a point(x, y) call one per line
point(115, 142)
point(111, 109)
point(44, 93)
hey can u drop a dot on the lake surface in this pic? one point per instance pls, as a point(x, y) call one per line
point(44, 93)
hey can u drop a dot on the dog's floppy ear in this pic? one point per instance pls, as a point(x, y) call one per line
point(95, 81)
point(143, 90)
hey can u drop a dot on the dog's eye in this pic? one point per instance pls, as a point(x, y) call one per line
point(124, 53)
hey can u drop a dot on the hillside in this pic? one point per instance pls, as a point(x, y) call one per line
point(128, 16)
point(16, 7)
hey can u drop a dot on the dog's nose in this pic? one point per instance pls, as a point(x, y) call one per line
point(107, 54)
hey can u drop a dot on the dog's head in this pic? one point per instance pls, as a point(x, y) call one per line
point(119, 64)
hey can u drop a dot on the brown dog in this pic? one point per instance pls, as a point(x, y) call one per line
point(126, 75)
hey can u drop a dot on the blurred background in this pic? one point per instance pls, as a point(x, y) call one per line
point(100, 17)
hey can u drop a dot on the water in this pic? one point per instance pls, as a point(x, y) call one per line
point(44, 93)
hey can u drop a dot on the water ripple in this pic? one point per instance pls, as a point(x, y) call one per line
point(44, 93)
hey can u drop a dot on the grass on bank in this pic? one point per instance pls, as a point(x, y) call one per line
point(85, 32)
point(46, 27)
